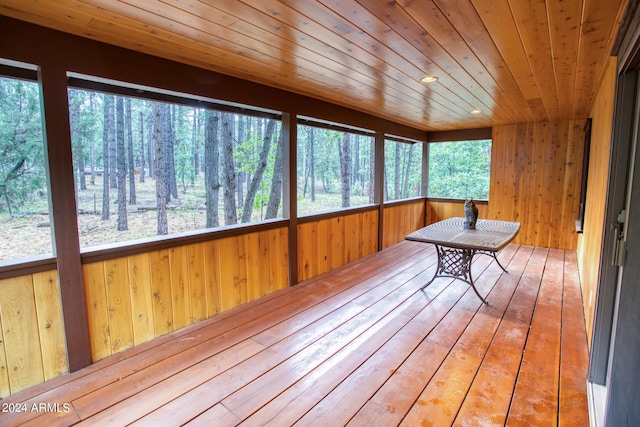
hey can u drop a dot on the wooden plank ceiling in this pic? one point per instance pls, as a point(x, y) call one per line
point(514, 60)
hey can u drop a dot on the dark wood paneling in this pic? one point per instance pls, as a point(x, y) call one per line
point(459, 135)
point(53, 81)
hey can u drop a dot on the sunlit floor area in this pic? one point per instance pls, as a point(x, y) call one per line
point(360, 345)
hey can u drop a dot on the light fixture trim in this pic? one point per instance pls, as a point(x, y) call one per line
point(429, 79)
point(476, 111)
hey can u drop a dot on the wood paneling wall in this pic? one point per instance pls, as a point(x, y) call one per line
point(32, 341)
point(437, 210)
point(134, 299)
point(536, 171)
point(590, 242)
point(400, 220)
point(329, 243)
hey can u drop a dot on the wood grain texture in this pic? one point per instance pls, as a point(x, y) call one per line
point(359, 346)
point(572, 409)
point(539, 370)
point(590, 242)
point(135, 299)
point(401, 220)
point(327, 244)
point(535, 180)
point(516, 60)
point(141, 298)
point(20, 330)
point(50, 324)
point(437, 210)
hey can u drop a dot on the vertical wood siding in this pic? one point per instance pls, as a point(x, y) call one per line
point(437, 210)
point(133, 299)
point(401, 220)
point(330, 243)
point(32, 341)
point(536, 171)
point(590, 242)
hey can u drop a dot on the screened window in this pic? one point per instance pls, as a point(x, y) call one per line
point(402, 170)
point(460, 170)
point(335, 169)
point(24, 201)
point(145, 168)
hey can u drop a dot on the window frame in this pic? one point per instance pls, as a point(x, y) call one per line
point(423, 166)
point(35, 263)
point(336, 127)
point(106, 251)
point(461, 135)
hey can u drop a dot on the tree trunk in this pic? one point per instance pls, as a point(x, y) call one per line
point(76, 138)
point(151, 150)
point(396, 172)
point(106, 137)
point(276, 183)
point(372, 172)
point(131, 165)
point(170, 154)
point(211, 162)
point(228, 171)
point(196, 147)
point(113, 179)
point(142, 162)
point(407, 171)
point(345, 168)
point(92, 147)
point(122, 166)
point(157, 132)
point(313, 165)
point(240, 173)
point(252, 190)
point(81, 166)
point(356, 161)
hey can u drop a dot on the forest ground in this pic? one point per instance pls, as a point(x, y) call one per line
point(29, 233)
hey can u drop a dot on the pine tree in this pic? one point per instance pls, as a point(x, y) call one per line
point(345, 169)
point(162, 191)
point(259, 172)
point(121, 166)
point(211, 169)
point(108, 130)
point(228, 171)
point(131, 165)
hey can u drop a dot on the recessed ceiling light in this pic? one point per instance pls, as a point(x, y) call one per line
point(429, 79)
point(476, 111)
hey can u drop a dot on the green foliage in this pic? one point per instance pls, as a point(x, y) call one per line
point(457, 170)
point(460, 170)
point(402, 170)
point(318, 166)
point(183, 151)
point(22, 168)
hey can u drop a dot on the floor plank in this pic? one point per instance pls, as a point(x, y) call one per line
point(360, 345)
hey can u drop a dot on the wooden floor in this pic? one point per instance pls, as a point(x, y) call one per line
point(359, 346)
